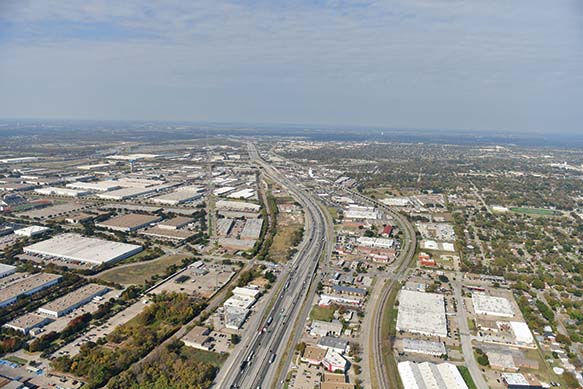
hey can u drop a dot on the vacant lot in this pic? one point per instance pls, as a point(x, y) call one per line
point(287, 227)
point(322, 313)
point(214, 359)
point(139, 273)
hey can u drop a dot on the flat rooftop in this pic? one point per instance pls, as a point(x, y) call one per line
point(422, 313)
point(130, 221)
point(75, 297)
point(79, 248)
point(26, 285)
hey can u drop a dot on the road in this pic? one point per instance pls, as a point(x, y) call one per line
point(465, 336)
point(380, 376)
point(255, 365)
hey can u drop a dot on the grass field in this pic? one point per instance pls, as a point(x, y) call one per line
point(139, 273)
point(534, 211)
point(467, 377)
point(214, 359)
point(322, 313)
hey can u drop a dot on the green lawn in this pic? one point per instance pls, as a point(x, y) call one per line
point(322, 313)
point(467, 377)
point(534, 211)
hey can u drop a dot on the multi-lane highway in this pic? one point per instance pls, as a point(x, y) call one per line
point(254, 366)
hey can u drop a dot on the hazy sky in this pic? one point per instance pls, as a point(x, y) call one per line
point(509, 65)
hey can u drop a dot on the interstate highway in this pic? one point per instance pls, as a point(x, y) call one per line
point(255, 365)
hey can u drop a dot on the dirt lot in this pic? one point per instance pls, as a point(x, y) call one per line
point(287, 225)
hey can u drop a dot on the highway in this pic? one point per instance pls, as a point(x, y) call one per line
point(254, 366)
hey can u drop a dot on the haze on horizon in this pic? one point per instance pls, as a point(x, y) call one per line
point(494, 65)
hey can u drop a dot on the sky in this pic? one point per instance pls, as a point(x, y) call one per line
point(443, 64)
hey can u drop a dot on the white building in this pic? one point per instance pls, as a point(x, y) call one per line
point(32, 231)
point(6, 270)
point(422, 313)
point(491, 305)
point(430, 375)
point(522, 333)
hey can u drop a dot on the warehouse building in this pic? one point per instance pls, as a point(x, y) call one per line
point(27, 286)
point(64, 305)
point(491, 305)
point(32, 231)
point(422, 313)
point(237, 206)
point(74, 247)
point(54, 191)
point(126, 193)
point(177, 197)
point(224, 226)
point(100, 186)
point(430, 375)
point(27, 322)
point(252, 229)
point(6, 270)
point(175, 223)
point(129, 223)
point(419, 346)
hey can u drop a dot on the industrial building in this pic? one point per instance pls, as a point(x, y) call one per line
point(27, 322)
point(197, 338)
point(420, 346)
point(73, 300)
point(430, 375)
point(252, 229)
point(359, 212)
point(323, 328)
point(491, 305)
point(129, 222)
point(243, 194)
point(100, 186)
point(522, 333)
point(377, 243)
point(6, 270)
point(74, 247)
point(237, 206)
point(54, 191)
point(177, 197)
point(422, 313)
point(126, 193)
point(224, 226)
point(237, 307)
point(336, 344)
point(32, 231)
point(175, 223)
point(27, 286)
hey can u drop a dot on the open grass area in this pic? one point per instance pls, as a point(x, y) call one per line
point(139, 273)
point(467, 377)
point(322, 313)
point(388, 333)
point(16, 360)
point(214, 359)
point(534, 211)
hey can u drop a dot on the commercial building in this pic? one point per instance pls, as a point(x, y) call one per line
point(32, 231)
point(243, 194)
point(326, 300)
point(252, 229)
point(6, 270)
point(129, 222)
point(314, 355)
point(235, 317)
point(348, 290)
point(73, 300)
point(198, 338)
point(377, 243)
point(519, 381)
point(334, 361)
point(358, 212)
point(27, 322)
point(27, 286)
point(491, 305)
point(127, 193)
point(168, 234)
point(422, 313)
point(324, 328)
point(430, 375)
point(522, 333)
point(74, 247)
point(336, 344)
point(419, 346)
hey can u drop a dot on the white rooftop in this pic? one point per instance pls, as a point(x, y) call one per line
point(422, 313)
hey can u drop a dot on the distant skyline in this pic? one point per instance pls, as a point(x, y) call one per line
point(495, 65)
